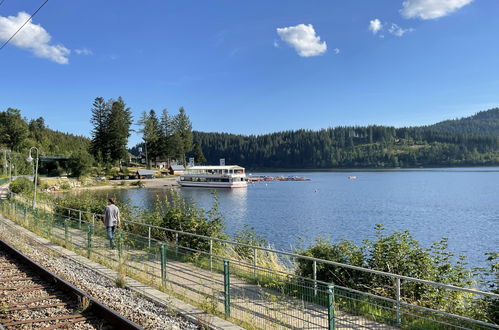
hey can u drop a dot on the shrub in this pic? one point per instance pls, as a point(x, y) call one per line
point(400, 254)
point(247, 236)
point(21, 186)
point(139, 184)
point(65, 186)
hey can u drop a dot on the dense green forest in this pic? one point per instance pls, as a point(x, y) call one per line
point(470, 141)
point(19, 134)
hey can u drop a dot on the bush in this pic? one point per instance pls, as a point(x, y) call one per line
point(80, 163)
point(175, 212)
point(247, 236)
point(400, 254)
point(21, 186)
point(65, 186)
point(139, 184)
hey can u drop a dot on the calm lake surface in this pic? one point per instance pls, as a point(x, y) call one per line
point(461, 204)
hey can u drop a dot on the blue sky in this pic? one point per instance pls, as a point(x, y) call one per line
point(253, 67)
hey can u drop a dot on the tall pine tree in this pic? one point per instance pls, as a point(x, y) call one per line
point(120, 120)
point(182, 135)
point(99, 146)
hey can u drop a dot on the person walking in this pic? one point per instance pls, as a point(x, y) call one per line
point(111, 220)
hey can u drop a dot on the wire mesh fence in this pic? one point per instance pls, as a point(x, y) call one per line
point(244, 290)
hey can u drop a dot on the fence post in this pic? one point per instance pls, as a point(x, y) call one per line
point(69, 213)
point(227, 287)
point(211, 254)
point(66, 232)
point(330, 307)
point(25, 213)
point(399, 321)
point(89, 240)
point(79, 217)
point(93, 219)
point(314, 266)
point(162, 250)
point(176, 245)
point(120, 244)
point(149, 236)
point(254, 262)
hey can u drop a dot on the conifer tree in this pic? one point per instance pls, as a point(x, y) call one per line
point(120, 120)
point(182, 128)
point(99, 146)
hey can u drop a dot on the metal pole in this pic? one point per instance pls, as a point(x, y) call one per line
point(36, 178)
point(330, 307)
point(35, 174)
point(79, 217)
point(93, 219)
point(399, 321)
point(254, 262)
point(162, 250)
point(227, 287)
point(314, 265)
point(66, 232)
point(211, 255)
point(120, 244)
point(149, 236)
point(89, 240)
point(176, 245)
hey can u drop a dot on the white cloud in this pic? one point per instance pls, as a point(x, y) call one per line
point(397, 30)
point(431, 9)
point(304, 40)
point(84, 51)
point(32, 37)
point(276, 44)
point(375, 26)
point(336, 51)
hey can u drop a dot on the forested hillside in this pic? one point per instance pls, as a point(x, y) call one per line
point(483, 123)
point(18, 133)
point(464, 142)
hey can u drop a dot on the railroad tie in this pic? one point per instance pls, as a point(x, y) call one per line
point(48, 319)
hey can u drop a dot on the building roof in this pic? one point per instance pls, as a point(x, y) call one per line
point(178, 167)
point(145, 172)
point(217, 167)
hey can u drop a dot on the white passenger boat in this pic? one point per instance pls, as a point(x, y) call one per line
point(229, 176)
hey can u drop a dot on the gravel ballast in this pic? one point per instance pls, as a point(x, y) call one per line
point(142, 311)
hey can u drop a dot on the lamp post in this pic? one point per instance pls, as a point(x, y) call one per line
point(30, 159)
point(10, 168)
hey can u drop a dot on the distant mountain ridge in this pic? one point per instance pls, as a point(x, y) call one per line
point(482, 123)
point(470, 141)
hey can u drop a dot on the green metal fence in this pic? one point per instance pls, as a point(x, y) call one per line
point(243, 291)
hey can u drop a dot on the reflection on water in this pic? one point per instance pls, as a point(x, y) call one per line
point(460, 204)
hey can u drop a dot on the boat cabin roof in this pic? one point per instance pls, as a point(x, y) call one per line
point(227, 167)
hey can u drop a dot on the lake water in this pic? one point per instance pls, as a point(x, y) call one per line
point(461, 204)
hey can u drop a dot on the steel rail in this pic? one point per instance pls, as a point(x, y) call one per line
point(96, 307)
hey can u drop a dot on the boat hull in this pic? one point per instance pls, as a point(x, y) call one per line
point(242, 184)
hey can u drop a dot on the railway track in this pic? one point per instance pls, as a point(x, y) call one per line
point(31, 297)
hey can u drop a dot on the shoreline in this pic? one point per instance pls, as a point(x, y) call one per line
point(148, 183)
